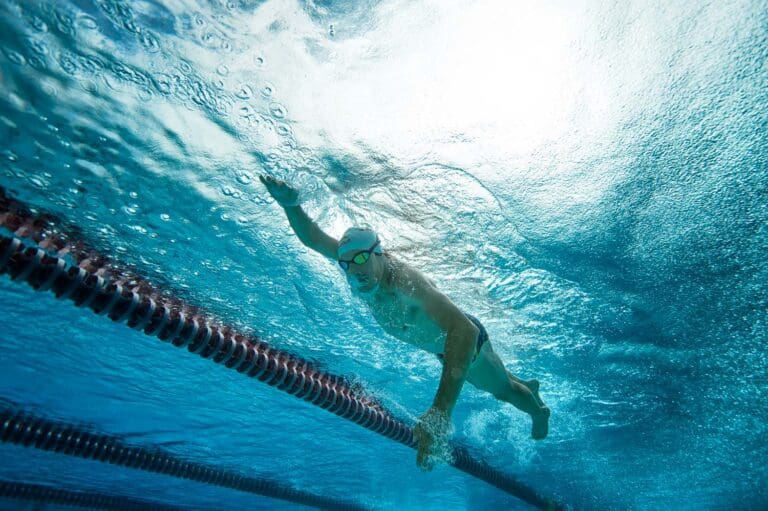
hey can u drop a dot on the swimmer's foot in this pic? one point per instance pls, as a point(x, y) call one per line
point(540, 426)
point(533, 386)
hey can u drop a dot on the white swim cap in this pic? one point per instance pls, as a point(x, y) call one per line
point(358, 238)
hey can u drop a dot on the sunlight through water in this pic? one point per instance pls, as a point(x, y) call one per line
point(588, 178)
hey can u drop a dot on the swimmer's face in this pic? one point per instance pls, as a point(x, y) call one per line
point(364, 277)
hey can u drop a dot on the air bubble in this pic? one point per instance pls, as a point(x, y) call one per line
point(64, 23)
point(131, 26)
point(223, 106)
point(67, 64)
point(87, 22)
point(15, 57)
point(36, 181)
point(36, 63)
point(165, 217)
point(244, 178)
point(163, 83)
point(38, 47)
point(268, 90)
point(245, 92)
point(277, 110)
point(222, 70)
point(39, 25)
point(90, 87)
point(112, 82)
point(150, 42)
point(259, 61)
point(213, 40)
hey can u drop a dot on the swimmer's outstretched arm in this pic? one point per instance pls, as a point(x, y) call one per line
point(304, 227)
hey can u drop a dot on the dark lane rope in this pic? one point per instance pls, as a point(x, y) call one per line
point(107, 290)
point(30, 431)
point(87, 500)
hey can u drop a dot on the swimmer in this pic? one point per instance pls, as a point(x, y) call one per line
point(410, 307)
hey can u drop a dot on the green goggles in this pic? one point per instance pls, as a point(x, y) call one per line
point(360, 258)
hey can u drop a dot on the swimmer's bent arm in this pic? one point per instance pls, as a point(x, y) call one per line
point(460, 341)
point(461, 336)
point(305, 228)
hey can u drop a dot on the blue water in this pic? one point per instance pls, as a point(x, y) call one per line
point(589, 179)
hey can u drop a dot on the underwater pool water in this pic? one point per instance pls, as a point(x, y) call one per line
point(590, 179)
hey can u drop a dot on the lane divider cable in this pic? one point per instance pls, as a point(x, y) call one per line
point(29, 430)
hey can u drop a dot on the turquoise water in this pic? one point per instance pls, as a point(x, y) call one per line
point(589, 179)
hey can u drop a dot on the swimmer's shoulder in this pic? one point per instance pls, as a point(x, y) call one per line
point(410, 281)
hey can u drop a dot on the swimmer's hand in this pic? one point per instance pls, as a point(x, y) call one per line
point(430, 432)
point(282, 192)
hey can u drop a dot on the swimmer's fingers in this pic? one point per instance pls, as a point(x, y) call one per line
point(269, 181)
point(282, 192)
point(423, 453)
point(423, 458)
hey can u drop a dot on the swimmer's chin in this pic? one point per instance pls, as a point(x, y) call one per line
point(363, 288)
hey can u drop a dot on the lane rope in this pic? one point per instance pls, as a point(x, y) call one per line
point(29, 430)
point(94, 282)
point(83, 499)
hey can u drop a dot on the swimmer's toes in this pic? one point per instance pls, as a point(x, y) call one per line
point(540, 427)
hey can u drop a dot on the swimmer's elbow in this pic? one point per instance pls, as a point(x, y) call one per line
point(468, 332)
point(463, 338)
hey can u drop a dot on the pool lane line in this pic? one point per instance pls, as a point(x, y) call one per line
point(45, 494)
point(28, 430)
point(162, 316)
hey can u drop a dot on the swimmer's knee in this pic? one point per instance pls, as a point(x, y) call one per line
point(482, 384)
point(501, 395)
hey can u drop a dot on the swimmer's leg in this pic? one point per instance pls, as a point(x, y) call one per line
point(489, 374)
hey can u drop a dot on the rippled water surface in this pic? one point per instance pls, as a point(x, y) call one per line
point(590, 179)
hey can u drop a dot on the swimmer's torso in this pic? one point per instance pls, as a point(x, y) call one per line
point(403, 317)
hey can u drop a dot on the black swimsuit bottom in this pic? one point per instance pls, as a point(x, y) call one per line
point(482, 337)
